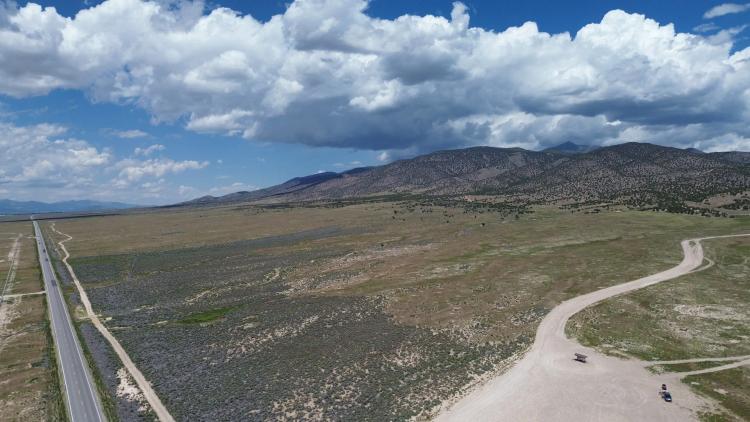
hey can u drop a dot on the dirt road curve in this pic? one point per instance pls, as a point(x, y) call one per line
point(548, 385)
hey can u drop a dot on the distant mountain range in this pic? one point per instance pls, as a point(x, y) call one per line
point(639, 172)
point(8, 206)
point(567, 172)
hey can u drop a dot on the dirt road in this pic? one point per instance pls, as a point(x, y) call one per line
point(15, 251)
point(733, 365)
point(548, 385)
point(697, 360)
point(156, 405)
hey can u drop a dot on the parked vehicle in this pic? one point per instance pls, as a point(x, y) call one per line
point(666, 396)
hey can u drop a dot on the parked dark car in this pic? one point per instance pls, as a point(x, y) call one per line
point(667, 397)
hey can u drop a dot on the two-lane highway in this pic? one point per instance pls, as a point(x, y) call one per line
point(80, 393)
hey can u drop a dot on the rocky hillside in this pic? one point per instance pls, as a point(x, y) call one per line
point(635, 172)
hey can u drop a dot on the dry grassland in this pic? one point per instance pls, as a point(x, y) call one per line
point(28, 383)
point(433, 296)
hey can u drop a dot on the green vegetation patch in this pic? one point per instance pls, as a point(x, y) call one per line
point(206, 316)
point(731, 388)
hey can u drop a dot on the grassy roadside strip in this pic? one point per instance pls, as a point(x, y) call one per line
point(108, 402)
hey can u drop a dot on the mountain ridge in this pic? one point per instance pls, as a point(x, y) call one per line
point(618, 172)
point(571, 148)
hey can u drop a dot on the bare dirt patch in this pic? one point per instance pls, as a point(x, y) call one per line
point(128, 390)
point(712, 311)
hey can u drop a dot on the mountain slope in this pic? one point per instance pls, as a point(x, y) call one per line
point(632, 170)
point(288, 187)
point(442, 172)
point(571, 148)
point(734, 156)
point(638, 169)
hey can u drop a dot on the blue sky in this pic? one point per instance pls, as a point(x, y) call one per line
point(171, 101)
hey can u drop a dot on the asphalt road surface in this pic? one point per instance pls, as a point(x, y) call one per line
point(81, 399)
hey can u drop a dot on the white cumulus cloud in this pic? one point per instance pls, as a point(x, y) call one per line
point(42, 162)
point(149, 150)
point(726, 9)
point(325, 73)
point(131, 170)
point(41, 155)
point(130, 134)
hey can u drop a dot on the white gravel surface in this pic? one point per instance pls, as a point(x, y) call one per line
point(548, 385)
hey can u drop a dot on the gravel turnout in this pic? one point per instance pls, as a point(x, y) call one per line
point(548, 384)
point(693, 329)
